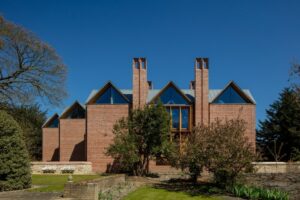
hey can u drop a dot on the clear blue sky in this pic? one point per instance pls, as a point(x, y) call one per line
point(250, 42)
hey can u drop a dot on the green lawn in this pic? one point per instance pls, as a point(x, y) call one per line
point(146, 193)
point(51, 183)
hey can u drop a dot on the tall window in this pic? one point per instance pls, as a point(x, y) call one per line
point(180, 117)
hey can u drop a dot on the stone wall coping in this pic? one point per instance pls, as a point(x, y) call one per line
point(61, 163)
point(100, 179)
point(276, 163)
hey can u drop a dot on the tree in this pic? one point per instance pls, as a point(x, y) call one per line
point(281, 128)
point(29, 68)
point(15, 165)
point(30, 118)
point(221, 148)
point(142, 135)
point(295, 77)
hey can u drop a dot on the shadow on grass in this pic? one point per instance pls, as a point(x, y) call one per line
point(190, 188)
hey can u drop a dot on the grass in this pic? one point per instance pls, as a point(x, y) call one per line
point(55, 183)
point(146, 193)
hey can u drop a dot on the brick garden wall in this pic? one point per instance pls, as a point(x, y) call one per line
point(50, 144)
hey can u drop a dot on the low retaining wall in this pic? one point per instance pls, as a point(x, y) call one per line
point(58, 167)
point(89, 190)
point(277, 167)
point(288, 182)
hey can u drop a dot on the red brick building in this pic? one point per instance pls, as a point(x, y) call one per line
point(83, 132)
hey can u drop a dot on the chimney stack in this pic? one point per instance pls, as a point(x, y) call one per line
point(139, 83)
point(201, 91)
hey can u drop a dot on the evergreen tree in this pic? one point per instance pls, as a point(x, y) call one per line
point(30, 118)
point(14, 159)
point(279, 135)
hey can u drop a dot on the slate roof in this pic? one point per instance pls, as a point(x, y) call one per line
point(188, 92)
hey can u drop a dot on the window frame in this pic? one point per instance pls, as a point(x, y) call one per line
point(180, 107)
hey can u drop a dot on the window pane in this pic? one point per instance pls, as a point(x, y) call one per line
point(54, 123)
point(230, 96)
point(117, 97)
point(105, 98)
point(76, 113)
point(175, 117)
point(111, 96)
point(184, 118)
point(171, 96)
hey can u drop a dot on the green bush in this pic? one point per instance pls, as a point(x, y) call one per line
point(14, 159)
point(221, 148)
point(256, 193)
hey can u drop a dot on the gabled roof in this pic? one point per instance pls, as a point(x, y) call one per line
point(248, 99)
point(170, 84)
point(49, 120)
point(190, 93)
point(95, 95)
point(69, 108)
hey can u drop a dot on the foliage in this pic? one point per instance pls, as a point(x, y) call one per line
point(281, 128)
point(54, 183)
point(30, 119)
point(14, 159)
point(221, 148)
point(258, 193)
point(295, 76)
point(29, 68)
point(143, 134)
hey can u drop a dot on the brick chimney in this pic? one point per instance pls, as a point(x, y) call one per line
point(140, 84)
point(201, 91)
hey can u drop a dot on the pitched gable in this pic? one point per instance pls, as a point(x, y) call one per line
point(52, 122)
point(232, 94)
point(109, 94)
point(170, 94)
point(75, 111)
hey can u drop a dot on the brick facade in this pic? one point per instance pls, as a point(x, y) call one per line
point(100, 121)
point(50, 144)
point(139, 83)
point(245, 112)
point(201, 91)
point(72, 140)
point(87, 138)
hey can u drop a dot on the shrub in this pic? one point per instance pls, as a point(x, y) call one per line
point(254, 193)
point(68, 170)
point(221, 148)
point(142, 135)
point(14, 159)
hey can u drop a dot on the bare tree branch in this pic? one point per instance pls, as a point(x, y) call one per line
point(29, 68)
